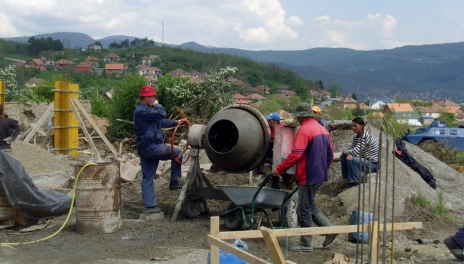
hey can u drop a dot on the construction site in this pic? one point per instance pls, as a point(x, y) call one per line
point(192, 227)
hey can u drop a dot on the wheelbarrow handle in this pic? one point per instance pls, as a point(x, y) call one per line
point(265, 181)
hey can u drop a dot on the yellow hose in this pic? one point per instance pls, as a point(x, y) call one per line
point(65, 222)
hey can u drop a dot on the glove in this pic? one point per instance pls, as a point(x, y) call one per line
point(8, 140)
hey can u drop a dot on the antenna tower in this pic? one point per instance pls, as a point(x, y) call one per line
point(162, 23)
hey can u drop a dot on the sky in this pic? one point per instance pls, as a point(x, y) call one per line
point(245, 24)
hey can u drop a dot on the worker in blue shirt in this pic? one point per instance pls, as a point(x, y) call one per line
point(149, 119)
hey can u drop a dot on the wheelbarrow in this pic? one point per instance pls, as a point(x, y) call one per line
point(247, 200)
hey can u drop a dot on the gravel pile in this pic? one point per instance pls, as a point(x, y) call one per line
point(38, 160)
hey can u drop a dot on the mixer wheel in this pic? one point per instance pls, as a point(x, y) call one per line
point(192, 208)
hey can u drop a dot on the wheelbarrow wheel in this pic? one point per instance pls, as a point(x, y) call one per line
point(290, 207)
point(234, 219)
point(192, 208)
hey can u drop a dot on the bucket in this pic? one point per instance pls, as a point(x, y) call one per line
point(362, 237)
point(227, 258)
point(98, 198)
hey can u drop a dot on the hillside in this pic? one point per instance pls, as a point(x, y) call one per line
point(432, 71)
point(425, 71)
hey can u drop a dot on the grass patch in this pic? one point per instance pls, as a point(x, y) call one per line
point(438, 209)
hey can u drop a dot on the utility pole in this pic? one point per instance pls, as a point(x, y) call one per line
point(162, 23)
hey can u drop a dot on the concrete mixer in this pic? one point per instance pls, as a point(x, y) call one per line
point(236, 140)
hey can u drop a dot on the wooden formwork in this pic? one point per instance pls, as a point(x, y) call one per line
point(8, 215)
point(215, 238)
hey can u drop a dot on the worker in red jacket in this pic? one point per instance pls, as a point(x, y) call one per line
point(312, 152)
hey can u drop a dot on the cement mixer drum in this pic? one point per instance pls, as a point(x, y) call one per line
point(237, 138)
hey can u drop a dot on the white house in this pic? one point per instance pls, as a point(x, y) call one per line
point(143, 69)
point(376, 104)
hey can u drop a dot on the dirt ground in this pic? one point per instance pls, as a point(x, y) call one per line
point(184, 240)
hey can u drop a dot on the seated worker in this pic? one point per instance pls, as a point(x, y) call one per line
point(362, 155)
point(273, 119)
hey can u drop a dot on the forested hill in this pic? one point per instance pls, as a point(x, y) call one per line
point(436, 69)
point(410, 71)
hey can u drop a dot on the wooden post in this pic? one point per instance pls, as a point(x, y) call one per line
point(95, 126)
point(190, 179)
point(273, 245)
point(374, 241)
point(86, 133)
point(39, 123)
point(214, 230)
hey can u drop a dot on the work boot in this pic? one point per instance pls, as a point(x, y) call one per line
point(305, 245)
point(454, 247)
point(321, 220)
point(151, 210)
point(176, 185)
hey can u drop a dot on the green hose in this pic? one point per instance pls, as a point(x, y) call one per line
point(65, 222)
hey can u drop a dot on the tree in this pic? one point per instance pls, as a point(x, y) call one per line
point(8, 75)
point(293, 102)
point(448, 118)
point(98, 43)
point(353, 95)
point(199, 101)
point(336, 112)
point(334, 90)
point(126, 96)
point(268, 106)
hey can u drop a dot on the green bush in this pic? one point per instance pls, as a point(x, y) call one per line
point(100, 106)
point(125, 97)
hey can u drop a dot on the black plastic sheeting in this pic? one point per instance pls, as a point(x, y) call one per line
point(403, 154)
point(24, 196)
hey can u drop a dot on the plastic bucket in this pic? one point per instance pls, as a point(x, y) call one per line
point(98, 198)
point(355, 218)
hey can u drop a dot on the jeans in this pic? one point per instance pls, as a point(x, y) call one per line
point(459, 237)
point(306, 206)
point(150, 157)
point(351, 168)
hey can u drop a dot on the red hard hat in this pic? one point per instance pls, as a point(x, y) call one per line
point(147, 91)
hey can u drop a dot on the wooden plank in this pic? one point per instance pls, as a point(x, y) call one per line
point(21, 219)
point(374, 241)
point(213, 231)
point(273, 245)
point(7, 223)
point(315, 230)
point(4, 201)
point(7, 212)
point(190, 179)
point(39, 123)
point(95, 126)
point(237, 252)
point(84, 129)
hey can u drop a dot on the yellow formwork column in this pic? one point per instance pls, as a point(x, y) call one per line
point(66, 124)
point(2, 93)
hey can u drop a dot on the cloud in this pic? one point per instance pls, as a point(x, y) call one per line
point(263, 21)
point(293, 21)
point(373, 31)
point(7, 29)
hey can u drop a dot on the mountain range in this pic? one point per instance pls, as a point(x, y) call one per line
point(425, 71)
